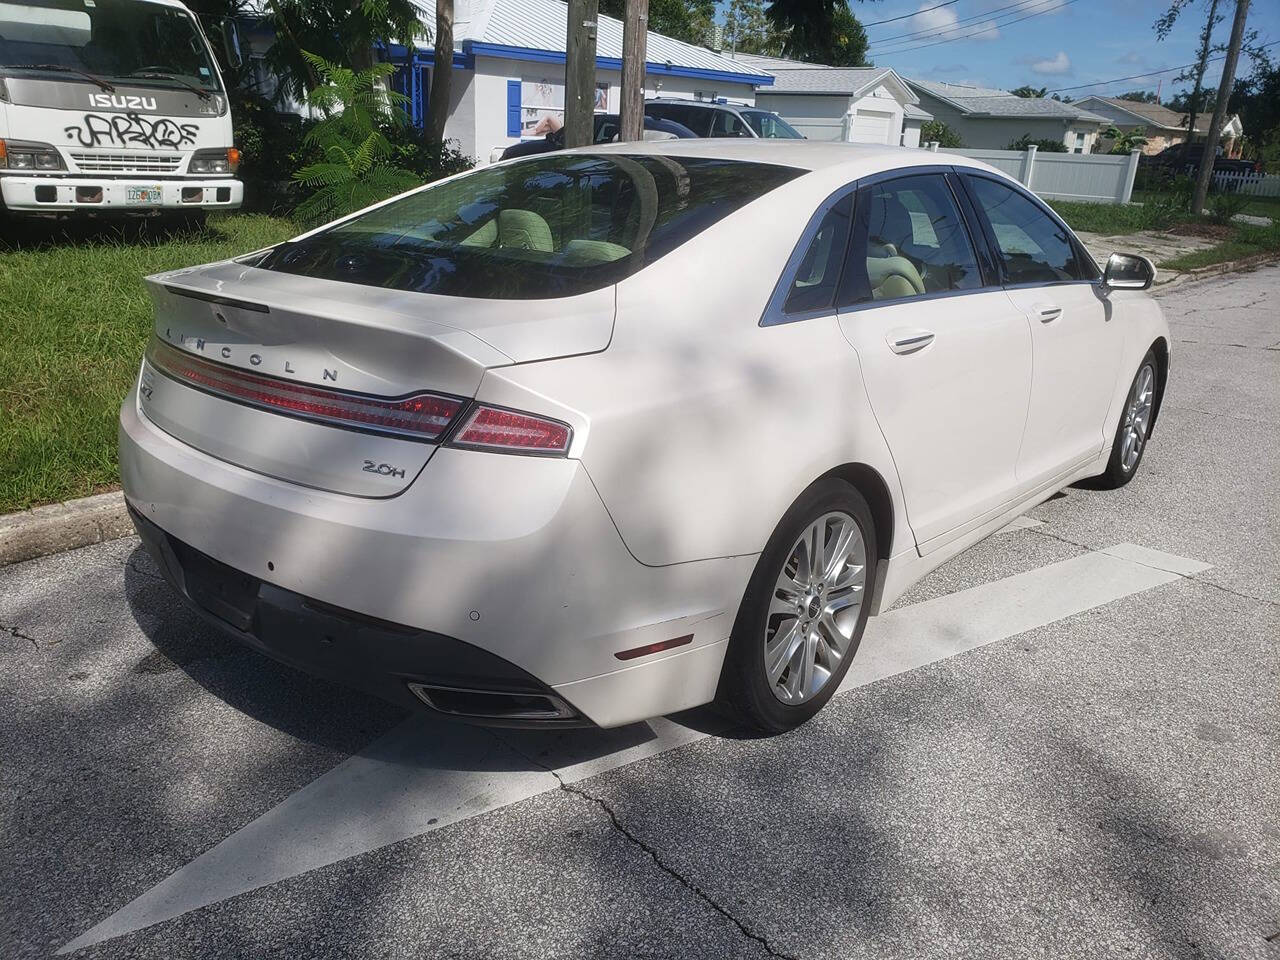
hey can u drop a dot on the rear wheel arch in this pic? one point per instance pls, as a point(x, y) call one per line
point(868, 482)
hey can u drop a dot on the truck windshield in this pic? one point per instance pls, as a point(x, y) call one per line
point(119, 41)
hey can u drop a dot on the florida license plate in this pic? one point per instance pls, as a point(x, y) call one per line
point(142, 195)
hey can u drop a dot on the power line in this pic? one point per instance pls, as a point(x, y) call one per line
point(1153, 73)
point(1021, 5)
point(908, 16)
point(986, 28)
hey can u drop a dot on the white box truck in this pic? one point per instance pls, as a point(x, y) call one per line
point(112, 106)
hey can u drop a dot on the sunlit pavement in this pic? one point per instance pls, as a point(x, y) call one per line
point(1063, 743)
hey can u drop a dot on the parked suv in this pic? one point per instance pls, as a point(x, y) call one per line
point(720, 119)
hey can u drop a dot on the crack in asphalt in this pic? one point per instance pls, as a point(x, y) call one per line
point(1150, 566)
point(1216, 413)
point(19, 635)
point(654, 855)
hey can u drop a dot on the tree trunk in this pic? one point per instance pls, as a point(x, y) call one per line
point(635, 39)
point(442, 72)
point(580, 73)
point(1205, 176)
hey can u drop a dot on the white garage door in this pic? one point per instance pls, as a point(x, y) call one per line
point(873, 126)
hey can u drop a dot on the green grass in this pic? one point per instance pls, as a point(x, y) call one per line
point(1248, 241)
point(1257, 206)
point(1111, 219)
point(74, 318)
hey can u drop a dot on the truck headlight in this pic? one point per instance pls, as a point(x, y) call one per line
point(215, 160)
point(29, 155)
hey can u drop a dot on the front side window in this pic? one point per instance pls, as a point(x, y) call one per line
point(818, 274)
point(554, 226)
point(1033, 246)
point(911, 241)
point(770, 125)
point(726, 123)
point(122, 41)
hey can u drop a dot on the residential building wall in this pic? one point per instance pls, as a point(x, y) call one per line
point(996, 133)
point(835, 117)
point(480, 123)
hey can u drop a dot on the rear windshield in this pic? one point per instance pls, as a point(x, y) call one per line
point(552, 226)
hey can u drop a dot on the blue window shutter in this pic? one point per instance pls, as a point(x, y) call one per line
point(513, 108)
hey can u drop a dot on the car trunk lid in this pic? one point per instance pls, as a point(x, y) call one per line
point(300, 378)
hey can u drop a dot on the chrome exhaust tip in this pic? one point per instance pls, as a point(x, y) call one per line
point(521, 706)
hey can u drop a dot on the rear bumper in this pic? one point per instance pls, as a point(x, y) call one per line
point(55, 194)
point(514, 557)
point(376, 656)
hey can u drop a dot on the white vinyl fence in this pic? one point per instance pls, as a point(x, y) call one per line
point(1091, 177)
point(1248, 184)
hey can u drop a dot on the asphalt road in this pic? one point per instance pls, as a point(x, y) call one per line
point(1062, 744)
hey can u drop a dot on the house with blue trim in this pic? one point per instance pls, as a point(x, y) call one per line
point(508, 72)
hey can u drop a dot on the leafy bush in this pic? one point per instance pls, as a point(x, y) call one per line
point(936, 130)
point(1224, 206)
point(354, 168)
point(427, 159)
point(269, 143)
point(1044, 146)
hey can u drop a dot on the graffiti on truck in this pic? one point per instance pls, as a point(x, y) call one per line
point(131, 130)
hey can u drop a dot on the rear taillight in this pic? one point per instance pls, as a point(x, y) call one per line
point(510, 431)
point(422, 416)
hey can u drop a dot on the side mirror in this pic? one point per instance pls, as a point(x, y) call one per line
point(1128, 271)
point(231, 43)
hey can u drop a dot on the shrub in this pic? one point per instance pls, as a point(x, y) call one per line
point(1224, 206)
point(936, 130)
point(354, 168)
point(1044, 146)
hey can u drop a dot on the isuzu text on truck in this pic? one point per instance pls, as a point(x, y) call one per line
point(112, 106)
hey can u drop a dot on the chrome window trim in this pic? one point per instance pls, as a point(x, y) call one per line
point(914, 298)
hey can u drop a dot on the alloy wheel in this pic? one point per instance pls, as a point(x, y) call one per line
point(814, 610)
point(1137, 418)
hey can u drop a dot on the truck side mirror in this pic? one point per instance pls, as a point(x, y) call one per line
point(231, 43)
point(1128, 271)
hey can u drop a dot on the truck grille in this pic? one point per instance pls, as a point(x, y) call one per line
point(99, 162)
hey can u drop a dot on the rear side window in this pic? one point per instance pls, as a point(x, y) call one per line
point(1033, 246)
point(818, 275)
point(911, 241)
point(697, 119)
point(554, 226)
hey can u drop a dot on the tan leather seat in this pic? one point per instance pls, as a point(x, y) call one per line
point(892, 278)
point(524, 230)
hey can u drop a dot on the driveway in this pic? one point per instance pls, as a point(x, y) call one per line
point(1063, 743)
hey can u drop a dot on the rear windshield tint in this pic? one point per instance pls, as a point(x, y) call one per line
point(553, 226)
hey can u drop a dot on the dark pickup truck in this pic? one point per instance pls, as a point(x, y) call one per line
point(1185, 158)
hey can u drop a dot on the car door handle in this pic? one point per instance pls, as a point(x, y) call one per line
point(1047, 313)
point(909, 341)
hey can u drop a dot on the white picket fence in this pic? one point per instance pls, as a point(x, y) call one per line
point(1090, 177)
point(1248, 184)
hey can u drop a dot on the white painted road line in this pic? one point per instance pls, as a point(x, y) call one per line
point(426, 773)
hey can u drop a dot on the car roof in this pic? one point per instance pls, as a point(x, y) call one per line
point(856, 159)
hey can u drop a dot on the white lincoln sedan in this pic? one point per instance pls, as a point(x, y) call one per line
point(593, 436)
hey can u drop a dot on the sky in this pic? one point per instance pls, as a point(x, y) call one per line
point(1057, 44)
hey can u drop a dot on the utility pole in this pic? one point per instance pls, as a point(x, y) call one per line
point(1202, 62)
point(1228, 80)
point(580, 73)
point(635, 38)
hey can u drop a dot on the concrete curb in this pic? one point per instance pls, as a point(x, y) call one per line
point(1214, 269)
point(63, 526)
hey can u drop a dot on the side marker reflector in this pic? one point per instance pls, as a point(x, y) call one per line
point(658, 647)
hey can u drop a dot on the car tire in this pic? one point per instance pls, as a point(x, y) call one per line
point(1134, 427)
point(817, 615)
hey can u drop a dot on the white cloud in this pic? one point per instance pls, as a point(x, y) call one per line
point(940, 18)
point(941, 22)
point(1055, 66)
